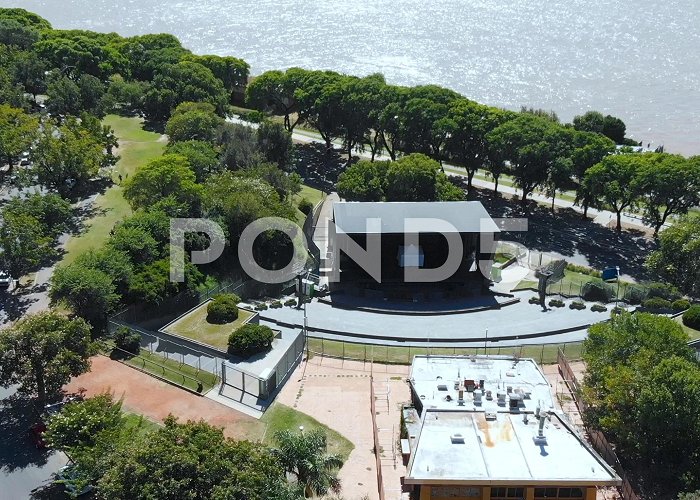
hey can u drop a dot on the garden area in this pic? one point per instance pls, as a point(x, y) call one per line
point(198, 325)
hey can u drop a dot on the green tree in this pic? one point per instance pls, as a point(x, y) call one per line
point(232, 72)
point(417, 178)
point(151, 282)
point(193, 461)
point(80, 423)
point(149, 54)
point(363, 181)
point(30, 72)
point(558, 177)
point(275, 143)
point(193, 121)
point(66, 158)
point(14, 33)
point(41, 352)
point(23, 244)
point(201, 156)
point(53, 213)
point(276, 92)
point(609, 126)
point(63, 96)
point(89, 292)
point(532, 145)
point(114, 263)
point(166, 176)
point(92, 91)
point(239, 147)
point(135, 242)
point(589, 149)
point(677, 260)
point(25, 18)
point(18, 131)
point(185, 81)
point(615, 180)
point(670, 184)
point(305, 455)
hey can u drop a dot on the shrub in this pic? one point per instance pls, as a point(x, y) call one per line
point(534, 300)
point(250, 339)
point(583, 270)
point(276, 304)
point(556, 303)
point(663, 290)
point(261, 307)
point(656, 304)
point(127, 340)
point(680, 305)
point(578, 305)
point(253, 116)
point(597, 291)
point(635, 294)
point(691, 318)
point(598, 308)
point(290, 302)
point(305, 206)
point(223, 308)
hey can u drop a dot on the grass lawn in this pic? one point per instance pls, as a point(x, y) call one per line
point(546, 354)
point(174, 371)
point(139, 424)
point(280, 417)
point(312, 194)
point(692, 333)
point(196, 327)
point(137, 147)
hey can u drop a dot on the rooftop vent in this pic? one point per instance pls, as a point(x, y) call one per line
point(442, 387)
point(490, 416)
point(457, 439)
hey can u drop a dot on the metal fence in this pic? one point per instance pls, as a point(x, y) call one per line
point(400, 355)
point(597, 438)
point(375, 437)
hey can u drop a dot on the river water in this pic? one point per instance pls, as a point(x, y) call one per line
point(637, 60)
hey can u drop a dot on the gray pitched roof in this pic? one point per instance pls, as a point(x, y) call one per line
point(466, 216)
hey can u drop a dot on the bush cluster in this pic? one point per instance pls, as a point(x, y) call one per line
point(680, 305)
point(290, 302)
point(534, 300)
point(656, 304)
point(275, 304)
point(579, 306)
point(583, 270)
point(663, 291)
point(250, 339)
point(691, 318)
point(223, 308)
point(597, 291)
point(598, 308)
point(127, 340)
point(635, 294)
point(305, 206)
point(556, 303)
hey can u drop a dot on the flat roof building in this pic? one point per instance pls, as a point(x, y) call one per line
point(488, 429)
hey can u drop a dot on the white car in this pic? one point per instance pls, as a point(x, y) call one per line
point(5, 279)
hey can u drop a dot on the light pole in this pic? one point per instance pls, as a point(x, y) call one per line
point(617, 294)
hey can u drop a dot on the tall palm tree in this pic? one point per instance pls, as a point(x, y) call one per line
point(305, 455)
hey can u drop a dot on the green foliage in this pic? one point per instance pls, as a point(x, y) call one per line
point(166, 177)
point(135, 242)
point(89, 292)
point(79, 424)
point(305, 206)
point(25, 18)
point(583, 270)
point(678, 258)
point(193, 121)
point(579, 306)
point(114, 263)
point(609, 126)
point(223, 308)
point(127, 340)
point(290, 302)
point(193, 461)
point(63, 96)
point(597, 291)
point(556, 303)
point(250, 339)
point(275, 143)
point(24, 244)
point(18, 130)
point(656, 304)
point(66, 158)
point(305, 455)
point(691, 318)
point(679, 305)
point(232, 72)
point(152, 284)
point(598, 308)
point(662, 290)
point(201, 156)
point(185, 81)
point(41, 352)
point(239, 147)
point(534, 300)
point(635, 294)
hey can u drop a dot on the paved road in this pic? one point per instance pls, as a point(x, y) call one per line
point(22, 467)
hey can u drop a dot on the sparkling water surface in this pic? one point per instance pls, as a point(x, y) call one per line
point(637, 60)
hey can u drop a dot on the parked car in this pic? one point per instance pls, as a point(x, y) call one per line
point(36, 434)
point(5, 279)
point(68, 475)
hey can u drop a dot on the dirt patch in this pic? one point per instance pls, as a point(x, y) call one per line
point(155, 399)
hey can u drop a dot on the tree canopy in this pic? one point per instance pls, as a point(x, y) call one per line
point(678, 258)
point(41, 352)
